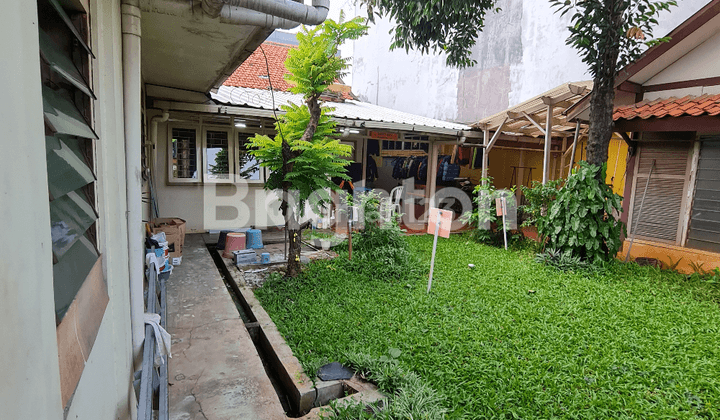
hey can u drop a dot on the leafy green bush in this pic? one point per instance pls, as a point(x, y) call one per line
point(484, 213)
point(382, 243)
point(539, 198)
point(580, 220)
point(564, 261)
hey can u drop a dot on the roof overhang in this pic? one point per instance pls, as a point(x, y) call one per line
point(244, 111)
point(193, 51)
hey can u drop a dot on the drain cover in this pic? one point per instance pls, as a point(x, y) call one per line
point(334, 371)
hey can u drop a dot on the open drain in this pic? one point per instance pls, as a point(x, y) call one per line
point(296, 392)
point(253, 329)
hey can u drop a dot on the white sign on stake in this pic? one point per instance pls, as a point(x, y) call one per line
point(439, 223)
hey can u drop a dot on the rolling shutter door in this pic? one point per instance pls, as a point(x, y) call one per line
point(660, 217)
point(704, 230)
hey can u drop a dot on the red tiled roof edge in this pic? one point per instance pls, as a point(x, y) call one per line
point(253, 72)
point(673, 107)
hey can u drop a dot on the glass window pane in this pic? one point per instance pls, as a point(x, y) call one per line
point(184, 157)
point(217, 164)
point(249, 167)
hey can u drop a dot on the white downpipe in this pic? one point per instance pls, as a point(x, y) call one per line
point(132, 102)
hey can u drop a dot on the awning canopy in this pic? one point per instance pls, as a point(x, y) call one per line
point(542, 116)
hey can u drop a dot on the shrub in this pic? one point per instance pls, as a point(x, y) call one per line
point(580, 220)
point(539, 198)
point(484, 214)
point(382, 245)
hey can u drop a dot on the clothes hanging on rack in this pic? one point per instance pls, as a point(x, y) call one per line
point(371, 173)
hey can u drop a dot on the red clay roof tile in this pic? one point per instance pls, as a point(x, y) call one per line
point(253, 72)
point(674, 107)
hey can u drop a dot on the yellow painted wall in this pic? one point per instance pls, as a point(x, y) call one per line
point(501, 162)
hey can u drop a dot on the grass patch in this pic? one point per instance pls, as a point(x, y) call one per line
point(512, 338)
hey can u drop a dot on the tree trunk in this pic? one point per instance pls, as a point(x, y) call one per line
point(288, 209)
point(603, 94)
point(601, 120)
point(293, 262)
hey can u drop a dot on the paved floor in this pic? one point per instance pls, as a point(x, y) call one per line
point(215, 372)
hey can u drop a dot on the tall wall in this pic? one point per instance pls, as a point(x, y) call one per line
point(28, 350)
point(521, 53)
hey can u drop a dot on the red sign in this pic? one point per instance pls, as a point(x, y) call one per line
point(381, 135)
point(444, 218)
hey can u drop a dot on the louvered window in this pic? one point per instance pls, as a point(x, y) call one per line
point(78, 283)
point(704, 232)
point(659, 218)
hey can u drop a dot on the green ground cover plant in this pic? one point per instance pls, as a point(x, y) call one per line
point(511, 338)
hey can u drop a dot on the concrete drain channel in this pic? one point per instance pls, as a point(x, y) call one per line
point(298, 395)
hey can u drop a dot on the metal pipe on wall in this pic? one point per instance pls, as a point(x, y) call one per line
point(285, 9)
point(132, 103)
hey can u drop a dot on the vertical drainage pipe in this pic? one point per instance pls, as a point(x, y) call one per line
point(132, 102)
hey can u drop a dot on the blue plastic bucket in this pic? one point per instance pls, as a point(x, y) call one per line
point(253, 239)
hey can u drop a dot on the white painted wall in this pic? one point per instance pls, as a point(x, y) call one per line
point(30, 388)
point(701, 62)
point(520, 54)
point(105, 388)
point(28, 351)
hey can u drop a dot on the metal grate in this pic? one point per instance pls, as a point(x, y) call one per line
point(184, 143)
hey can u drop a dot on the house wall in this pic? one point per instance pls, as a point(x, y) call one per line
point(521, 53)
point(211, 206)
point(28, 347)
point(700, 63)
point(31, 381)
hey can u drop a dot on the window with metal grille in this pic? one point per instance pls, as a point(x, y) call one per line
point(248, 166)
point(667, 165)
point(184, 154)
point(704, 232)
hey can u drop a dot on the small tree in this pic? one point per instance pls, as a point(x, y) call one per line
point(305, 154)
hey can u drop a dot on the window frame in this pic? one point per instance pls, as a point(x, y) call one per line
point(198, 149)
point(263, 170)
point(231, 155)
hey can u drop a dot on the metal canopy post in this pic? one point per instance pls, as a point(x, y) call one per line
point(548, 141)
point(485, 152)
point(574, 147)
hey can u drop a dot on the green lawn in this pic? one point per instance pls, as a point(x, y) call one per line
point(512, 338)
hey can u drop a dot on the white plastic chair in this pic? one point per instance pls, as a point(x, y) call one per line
point(391, 205)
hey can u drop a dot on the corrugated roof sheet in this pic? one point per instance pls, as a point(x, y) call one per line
point(535, 107)
point(673, 107)
point(349, 109)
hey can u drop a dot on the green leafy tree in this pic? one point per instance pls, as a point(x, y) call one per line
point(306, 153)
point(607, 33)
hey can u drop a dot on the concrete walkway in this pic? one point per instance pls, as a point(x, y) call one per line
point(215, 372)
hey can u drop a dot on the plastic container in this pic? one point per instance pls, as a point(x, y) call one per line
point(254, 239)
point(235, 242)
point(265, 258)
